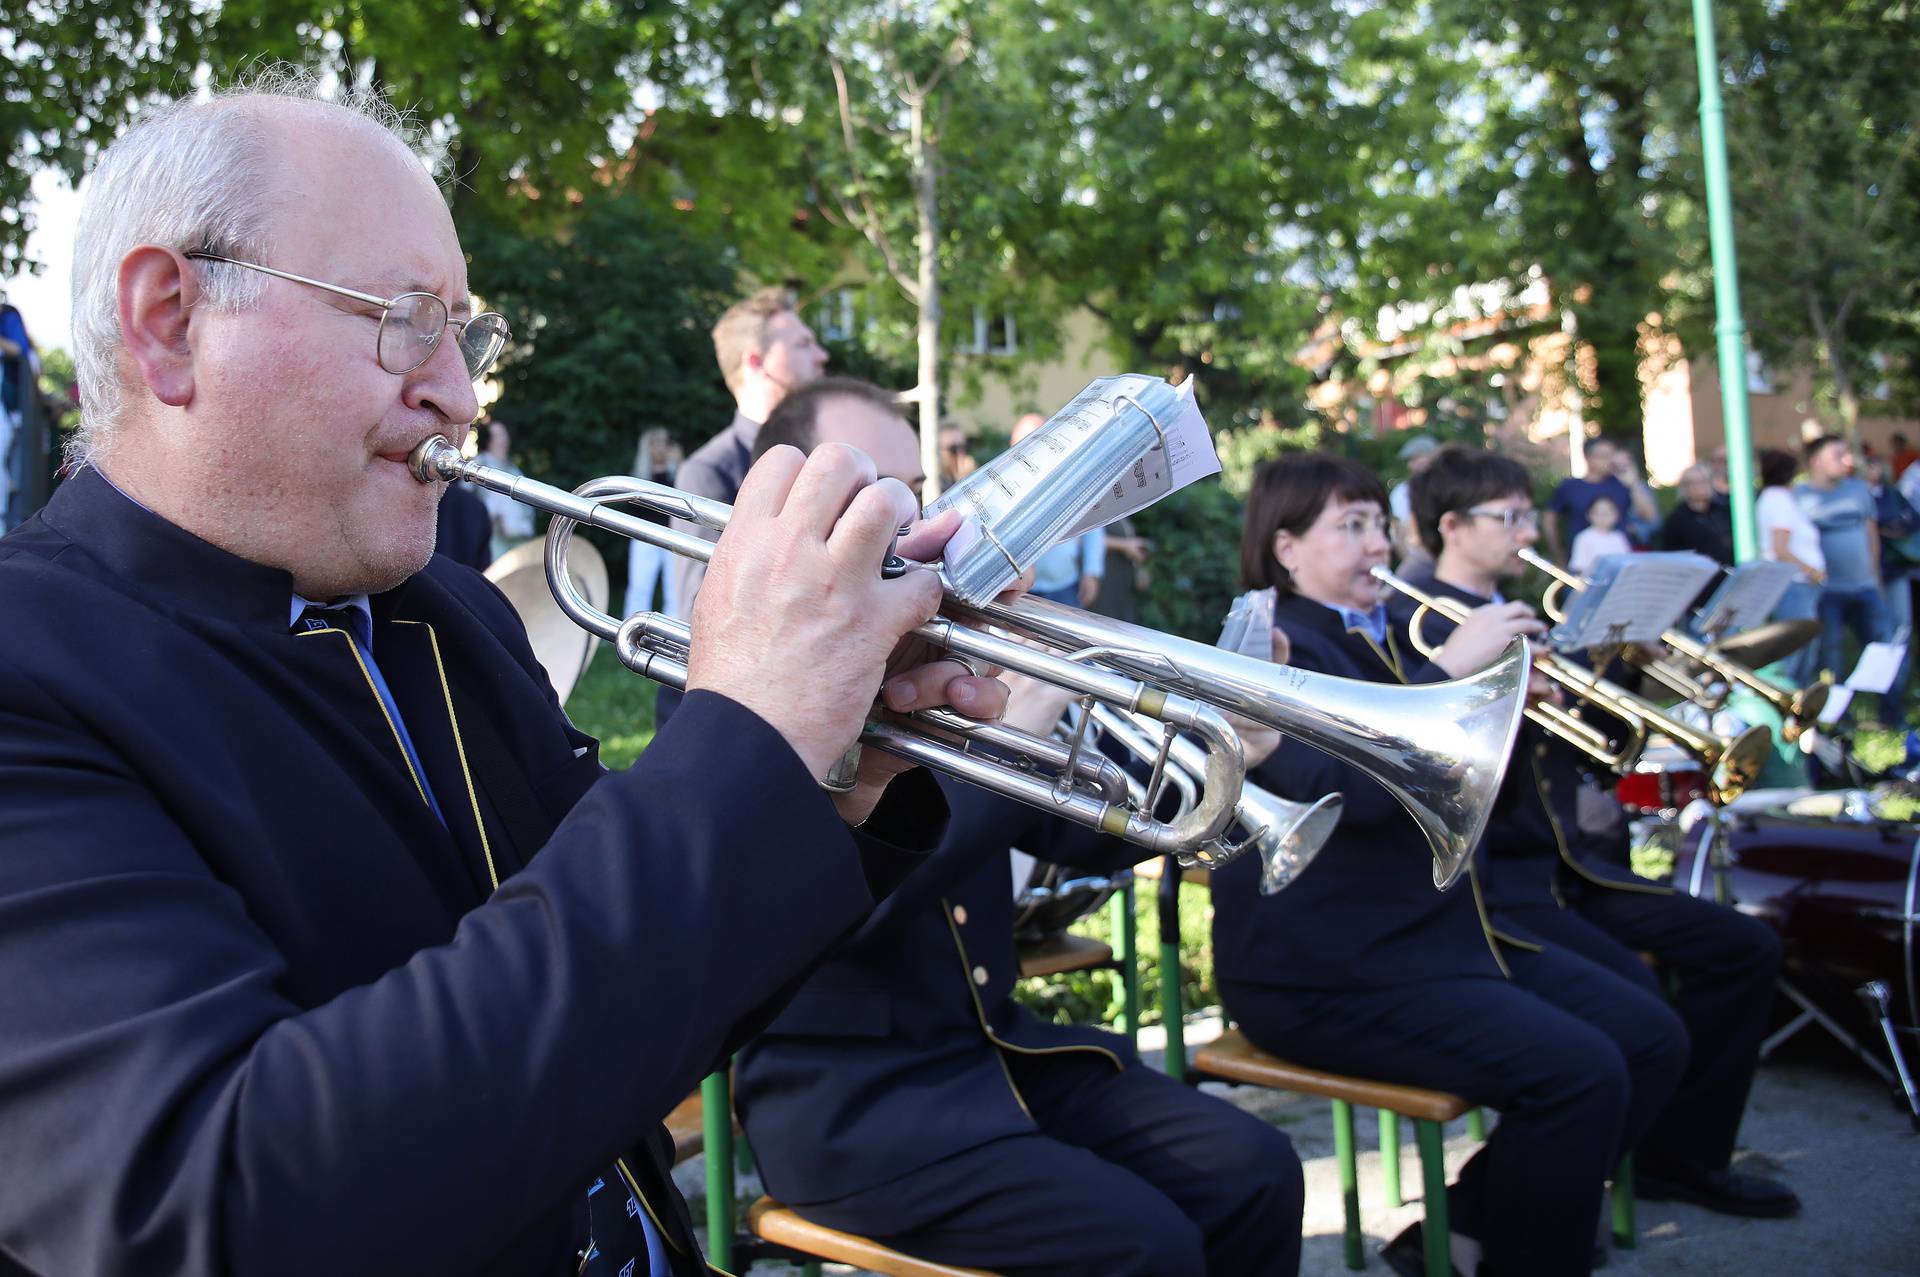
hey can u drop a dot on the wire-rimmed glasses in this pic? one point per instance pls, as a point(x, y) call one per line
point(1510, 517)
point(411, 325)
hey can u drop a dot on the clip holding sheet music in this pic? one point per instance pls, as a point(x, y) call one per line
point(1120, 445)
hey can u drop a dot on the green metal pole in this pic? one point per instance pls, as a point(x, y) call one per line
point(1173, 1011)
point(716, 1104)
point(1344, 1154)
point(1729, 326)
point(1127, 955)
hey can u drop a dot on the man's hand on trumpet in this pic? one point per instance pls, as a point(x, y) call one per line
point(795, 622)
point(1479, 640)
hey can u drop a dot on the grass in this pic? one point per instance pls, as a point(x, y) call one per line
point(614, 705)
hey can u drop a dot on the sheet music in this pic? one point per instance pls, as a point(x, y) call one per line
point(1879, 662)
point(1746, 598)
point(1120, 445)
point(1632, 598)
point(1248, 629)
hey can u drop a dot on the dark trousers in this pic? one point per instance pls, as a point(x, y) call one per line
point(1130, 1175)
point(1862, 610)
point(1724, 964)
point(1577, 1061)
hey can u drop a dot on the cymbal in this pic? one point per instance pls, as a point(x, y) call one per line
point(1765, 644)
point(562, 648)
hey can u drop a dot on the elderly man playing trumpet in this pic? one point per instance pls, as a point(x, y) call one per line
point(328, 945)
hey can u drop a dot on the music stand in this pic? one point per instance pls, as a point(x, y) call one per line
point(1631, 598)
point(1745, 597)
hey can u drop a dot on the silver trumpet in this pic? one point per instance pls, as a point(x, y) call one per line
point(1439, 748)
point(1286, 835)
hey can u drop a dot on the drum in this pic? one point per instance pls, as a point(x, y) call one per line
point(1049, 898)
point(1836, 873)
point(1663, 780)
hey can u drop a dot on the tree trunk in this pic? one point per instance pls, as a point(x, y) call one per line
point(1830, 342)
point(926, 190)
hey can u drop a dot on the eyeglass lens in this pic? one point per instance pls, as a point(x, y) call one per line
point(1360, 527)
point(413, 326)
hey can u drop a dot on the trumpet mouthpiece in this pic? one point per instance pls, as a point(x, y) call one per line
point(431, 460)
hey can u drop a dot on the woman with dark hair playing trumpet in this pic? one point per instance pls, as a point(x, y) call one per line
point(1362, 968)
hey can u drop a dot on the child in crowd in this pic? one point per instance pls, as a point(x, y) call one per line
point(1601, 537)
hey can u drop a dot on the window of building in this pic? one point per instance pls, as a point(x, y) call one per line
point(833, 317)
point(992, 334)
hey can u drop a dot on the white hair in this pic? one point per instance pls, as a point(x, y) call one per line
point(190, 176)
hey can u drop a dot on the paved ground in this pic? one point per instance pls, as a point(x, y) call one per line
point(1816, 1119)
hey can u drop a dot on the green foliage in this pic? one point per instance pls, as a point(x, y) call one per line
point(614, 705)
point(76, 72)
point(1195, 569)
point(60, 393)
point(1097, 997)
point(611, 323)
point(1823, 128)
point(523, 93)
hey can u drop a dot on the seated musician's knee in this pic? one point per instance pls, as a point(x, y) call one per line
point(1145, 1243)
point(1261, 1160)
point(1579, 1068)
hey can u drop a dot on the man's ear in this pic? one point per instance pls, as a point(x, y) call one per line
point(157, 289)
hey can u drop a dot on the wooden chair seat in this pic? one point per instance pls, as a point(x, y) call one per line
point(1064, 952)
point(778, 1224)
point(1199, 874)
point(1234, 1059)
point(687, 1126)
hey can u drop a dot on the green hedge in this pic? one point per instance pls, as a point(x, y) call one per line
point(1095, 997)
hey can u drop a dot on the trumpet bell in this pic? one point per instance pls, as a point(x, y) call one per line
point(1742, 761)
point(1293, 835)
point(1439, 748)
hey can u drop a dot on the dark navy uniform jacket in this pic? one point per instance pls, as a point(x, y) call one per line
point(889, 1059)
point(1365, 913)
point(1535, 852)
point(261, 1011)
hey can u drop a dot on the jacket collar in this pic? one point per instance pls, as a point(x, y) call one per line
point(164, 561)
point(171, 566)
point(1306, 613)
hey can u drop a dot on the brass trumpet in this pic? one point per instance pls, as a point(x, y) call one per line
point(1441, 749)
point(1732, 764)
point(1798, 709)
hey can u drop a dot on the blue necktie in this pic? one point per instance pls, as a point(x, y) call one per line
point(358, 626)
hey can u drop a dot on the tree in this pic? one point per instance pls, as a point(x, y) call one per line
point(75, 74)
point(1582, 114)
point(611, 322)
point(523, 94)
point(900, 123)
point(1824, 143)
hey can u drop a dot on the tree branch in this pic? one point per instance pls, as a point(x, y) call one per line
point(870, 225)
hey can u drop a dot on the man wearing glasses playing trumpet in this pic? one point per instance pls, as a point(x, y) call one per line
point(328, 945)
point(1549, 881)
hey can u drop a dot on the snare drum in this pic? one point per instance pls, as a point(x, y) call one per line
point(1837, 873)
point(1664, 779)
